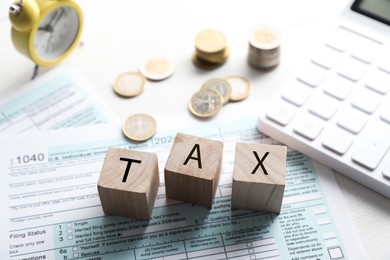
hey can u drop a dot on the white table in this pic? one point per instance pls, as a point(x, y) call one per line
point(119, 35)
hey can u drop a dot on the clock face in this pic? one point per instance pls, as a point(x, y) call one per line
point(56, 33)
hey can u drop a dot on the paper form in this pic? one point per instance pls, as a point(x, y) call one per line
point(51, 209)
point(59, 99)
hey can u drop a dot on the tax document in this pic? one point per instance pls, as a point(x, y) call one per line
point(59, 99)
point(51, 208)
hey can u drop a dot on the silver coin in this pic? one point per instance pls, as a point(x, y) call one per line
point(139, 127)
point(205, 103)
point(241, 87)
point(221, 86)
point(129, 84)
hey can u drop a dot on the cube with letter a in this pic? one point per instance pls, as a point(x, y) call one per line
point(128, 183)
point(259, 177)
point(193, 169)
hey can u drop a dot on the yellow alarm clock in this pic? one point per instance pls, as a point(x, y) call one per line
point(46, 31)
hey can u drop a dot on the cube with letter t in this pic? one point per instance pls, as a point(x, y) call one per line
point(128, 183)
point(193, 169)
point(259, 177)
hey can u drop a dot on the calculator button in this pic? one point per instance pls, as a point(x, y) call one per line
point(366, 54)
point(365, 100)
point(352, 69)
point(282, 113)
point(369, 151)
point(378, 81)
point(338, 42)
point(351, 120)
point(326, 57)
point(296, 94)
point(337, 140)
point(308, 126)
point(311, 75)
point(323, 106)
point(337, 87)
point(371, 145)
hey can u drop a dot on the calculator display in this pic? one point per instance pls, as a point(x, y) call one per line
point(376, 9)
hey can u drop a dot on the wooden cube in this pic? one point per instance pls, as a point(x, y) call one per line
point(259, 177)
point(128, 183)
point(193, 169)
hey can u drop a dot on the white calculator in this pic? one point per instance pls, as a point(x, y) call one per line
point(336, 109)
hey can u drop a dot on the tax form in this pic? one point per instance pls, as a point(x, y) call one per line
point(59, 99)
point(51, 209)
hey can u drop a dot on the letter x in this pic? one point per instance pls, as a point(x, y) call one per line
point(260, 163)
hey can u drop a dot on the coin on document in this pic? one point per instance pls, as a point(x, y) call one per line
point(210, 41)
point(129, 84)
point(139, 127)
point(241, 87)
point(221, 86)
point(157, 68)
point(205, 103)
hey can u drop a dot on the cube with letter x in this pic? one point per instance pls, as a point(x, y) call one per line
point(259, 177)
point(128, 183)
point(193, 169)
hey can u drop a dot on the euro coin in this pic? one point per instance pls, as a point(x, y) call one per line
point(157, 68)
point(264, 47)
point(218, 58)
point(265, 37)
point(205, 103)
point(210, 41)
point(204, 64)
point(241, 87)
point(139, 127)
point(129, 84)
point(221, 86)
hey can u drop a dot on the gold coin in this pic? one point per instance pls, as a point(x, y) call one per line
point(139, 127)
point(204, 64)
point(220, 57)
point(221, 86)
point(241, 87)
point(205, 103)
point(157, 68)
point(129, 84)
point(210, 41)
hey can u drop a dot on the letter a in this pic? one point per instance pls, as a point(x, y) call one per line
point(196, 147)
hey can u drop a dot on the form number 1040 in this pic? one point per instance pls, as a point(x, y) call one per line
point(23, 159)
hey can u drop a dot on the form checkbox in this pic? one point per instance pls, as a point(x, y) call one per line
point(335, 253)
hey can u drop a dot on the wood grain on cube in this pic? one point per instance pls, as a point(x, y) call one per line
point(128, 183)
point(259, 177)
point(193, 169)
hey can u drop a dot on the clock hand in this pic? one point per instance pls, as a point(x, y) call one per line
point(54, 22)
point(46, 28)
point(51, 26)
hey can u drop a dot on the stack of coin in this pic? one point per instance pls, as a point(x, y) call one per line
point(264, 47)
point(211, 50)
point(216, 92)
